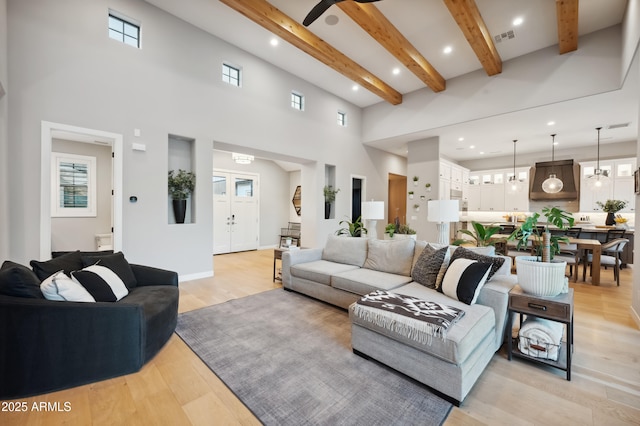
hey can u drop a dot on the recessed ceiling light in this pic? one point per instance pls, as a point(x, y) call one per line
point(274, 41)
point(460, 139)
point(472, 146)
point(447, 50)
point(518, 21)
point(551, 123)
point(555, 142)
point(481, 152)
point(355, 87)
point(396, 71)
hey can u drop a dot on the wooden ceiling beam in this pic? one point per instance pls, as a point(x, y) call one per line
point(272, 19)
point(567, 16)
point(468, 18)
point(384, 32)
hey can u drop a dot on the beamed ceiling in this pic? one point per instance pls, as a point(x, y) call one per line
point(359, 44)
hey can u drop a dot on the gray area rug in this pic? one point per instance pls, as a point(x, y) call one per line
point(288, 358)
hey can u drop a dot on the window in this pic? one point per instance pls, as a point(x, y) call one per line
point(244, 187)
point(342, 119)
point(123, 30)
point(231, 75)
point(73, 192)
point(297, 101)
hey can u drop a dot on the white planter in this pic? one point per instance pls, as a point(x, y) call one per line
point(541, 278)
point(399, 236)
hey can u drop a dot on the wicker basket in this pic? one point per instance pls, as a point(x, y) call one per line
point(541, 278)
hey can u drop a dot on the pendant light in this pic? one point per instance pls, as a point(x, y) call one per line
point(552, 185)
point(600, 178)
point(514, 185)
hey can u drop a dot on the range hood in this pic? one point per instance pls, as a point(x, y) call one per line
point(565, 170)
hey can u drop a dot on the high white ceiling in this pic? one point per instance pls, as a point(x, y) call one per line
point(428, 25)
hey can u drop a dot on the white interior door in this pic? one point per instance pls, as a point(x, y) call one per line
point(235, 212)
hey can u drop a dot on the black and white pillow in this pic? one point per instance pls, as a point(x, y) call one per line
point(495, 261)
point(430, 267)
point(61, 287)
point(114, 261)
point(102, 283)
point(464, 279)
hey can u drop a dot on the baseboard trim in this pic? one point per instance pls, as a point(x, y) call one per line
point(635, 316)
point(196, 276)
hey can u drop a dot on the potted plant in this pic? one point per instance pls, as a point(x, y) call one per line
point(353, 229)
point(416, 207)
point(181, 185)
point(329, 198)
point(428, 187)
point(396, 230)
point(411, 195)
point(479, 233)
point(415, 180)
point(611, 207)
point(539, 274)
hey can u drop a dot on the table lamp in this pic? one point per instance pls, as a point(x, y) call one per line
point(442, 212)
point(372, 211)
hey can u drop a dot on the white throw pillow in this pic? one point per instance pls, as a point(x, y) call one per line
point(60, 287)
point(101, 282)
point(464, 279)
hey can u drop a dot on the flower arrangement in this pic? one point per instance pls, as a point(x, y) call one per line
point(620, 220)
point(612, 206)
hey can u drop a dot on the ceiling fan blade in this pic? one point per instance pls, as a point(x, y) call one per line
point(318, 10)
point(365, 1)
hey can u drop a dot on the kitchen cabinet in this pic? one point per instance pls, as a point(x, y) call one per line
point(619, 187)
point(474, 197)
point(517, 201)
point(492, 197)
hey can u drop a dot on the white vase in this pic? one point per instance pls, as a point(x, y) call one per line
point(541, 278)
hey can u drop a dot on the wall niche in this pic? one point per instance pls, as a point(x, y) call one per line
point(181, 157)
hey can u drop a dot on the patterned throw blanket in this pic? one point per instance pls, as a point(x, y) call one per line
point(411, 317)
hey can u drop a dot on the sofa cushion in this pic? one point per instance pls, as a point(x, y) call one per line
point(62, 288)
point(392, 256)
point(101, 282)
point(431, 266)
point(319, 271)
point(116, 262)
point(347, 250)
point(68, 263)
point(463, 253)
point(464, 280)
point(362, 281)
point(19, 281)
point(461, 340)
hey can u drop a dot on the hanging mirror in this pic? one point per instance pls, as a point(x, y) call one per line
point(297, 200)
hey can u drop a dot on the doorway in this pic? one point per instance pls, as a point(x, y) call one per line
point(235, 211)
point(397, 210)
point(56, 131)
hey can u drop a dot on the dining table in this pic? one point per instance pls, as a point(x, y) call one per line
point(586, 245)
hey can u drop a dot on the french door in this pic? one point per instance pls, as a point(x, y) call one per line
point(235, 212)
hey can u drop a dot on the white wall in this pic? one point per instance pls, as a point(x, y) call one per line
point(170, 86)
point(4, 149)
point(78, 233)
point(424, 162)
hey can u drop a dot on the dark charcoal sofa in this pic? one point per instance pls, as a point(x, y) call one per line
point(50, 345)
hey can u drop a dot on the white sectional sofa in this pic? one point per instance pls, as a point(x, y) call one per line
point(348, 268)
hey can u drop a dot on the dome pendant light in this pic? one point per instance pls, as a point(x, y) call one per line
point(600, 178)
point(514, 185)
point(552, 185)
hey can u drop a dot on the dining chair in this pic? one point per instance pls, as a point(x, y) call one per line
point(613, 257)
point(570, 253)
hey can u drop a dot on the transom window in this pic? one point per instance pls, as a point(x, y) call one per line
point(342, 119)
point(124, 31)
point(297, 101)
point(231, 75)
point(73, 192)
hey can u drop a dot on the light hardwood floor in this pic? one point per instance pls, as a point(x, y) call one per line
point(176, 388)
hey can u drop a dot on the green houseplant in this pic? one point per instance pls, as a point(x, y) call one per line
point(398, 229)
point(611, 207)
point(479, 233)
point(181, 184)
point(329, 198)
point(353, 229)
point(539, 275)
